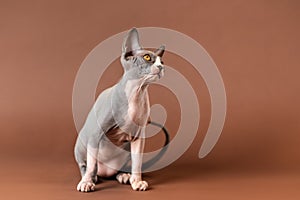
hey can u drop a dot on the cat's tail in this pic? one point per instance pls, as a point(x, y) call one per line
point(163, 150)
point(147, 164)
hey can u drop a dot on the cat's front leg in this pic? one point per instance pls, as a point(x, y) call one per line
point(87, 181)
point(137, 148)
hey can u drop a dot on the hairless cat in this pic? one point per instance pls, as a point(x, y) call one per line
point(115, 127)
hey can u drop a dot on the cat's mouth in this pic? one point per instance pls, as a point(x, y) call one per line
point(157, 74)
point(152, 77)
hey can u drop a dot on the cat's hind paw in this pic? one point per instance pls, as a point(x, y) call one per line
point(123, 178)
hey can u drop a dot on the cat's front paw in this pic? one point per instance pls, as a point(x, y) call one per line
point(139, 185)
point(85, 186)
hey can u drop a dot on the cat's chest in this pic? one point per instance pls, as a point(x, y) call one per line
point(134, 121)
point(138, 107)
point(138, 111)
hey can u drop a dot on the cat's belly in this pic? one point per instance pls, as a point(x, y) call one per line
point(113, 154)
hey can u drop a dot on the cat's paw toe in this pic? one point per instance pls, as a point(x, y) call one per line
point(139, 185)
point(85, 186)
point(123, 178)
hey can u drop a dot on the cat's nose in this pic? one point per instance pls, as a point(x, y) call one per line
point(160, 67)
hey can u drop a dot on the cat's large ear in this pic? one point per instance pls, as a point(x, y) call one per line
point(160, 51)
point(131, 41)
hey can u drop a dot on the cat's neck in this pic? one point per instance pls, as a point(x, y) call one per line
point(136, 88)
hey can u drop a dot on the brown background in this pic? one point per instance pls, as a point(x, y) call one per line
point(255, 45)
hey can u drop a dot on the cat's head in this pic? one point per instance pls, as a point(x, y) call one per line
point(139, 63)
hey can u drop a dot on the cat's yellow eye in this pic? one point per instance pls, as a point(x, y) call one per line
point(147, 57)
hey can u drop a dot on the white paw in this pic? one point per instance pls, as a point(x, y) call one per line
point(85, 186)
point(139, 185)
point(123, 178)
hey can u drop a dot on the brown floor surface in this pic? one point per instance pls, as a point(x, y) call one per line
point(57, 180)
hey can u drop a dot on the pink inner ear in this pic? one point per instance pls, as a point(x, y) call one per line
point(131, 41)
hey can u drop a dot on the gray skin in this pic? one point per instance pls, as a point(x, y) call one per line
point(117, 120)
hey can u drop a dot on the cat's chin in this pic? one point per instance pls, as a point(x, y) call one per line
point(160, 75)
point(154, 77)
